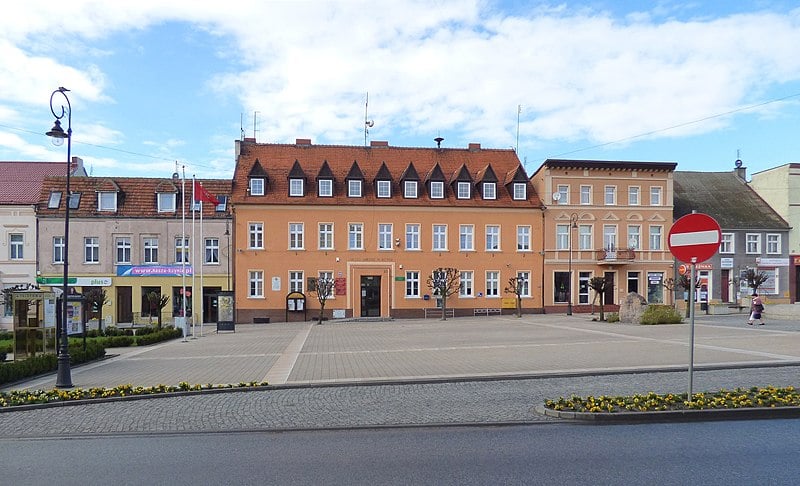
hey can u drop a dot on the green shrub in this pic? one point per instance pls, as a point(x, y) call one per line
point(612, 317)
point(158, 336)
point(118, 341)
point(661, 314)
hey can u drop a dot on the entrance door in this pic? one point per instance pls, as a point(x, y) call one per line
point(371, 296)
point(725, 286)
point(124, 305)
point(210, 303)
point(608, 298)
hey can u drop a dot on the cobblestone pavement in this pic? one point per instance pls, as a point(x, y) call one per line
point(472, 371)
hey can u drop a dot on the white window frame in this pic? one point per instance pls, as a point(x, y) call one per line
point(562, 236)
point(384, 189)
point(91, 249)
point(523, 238)
point(489, 190)
point(329, 276)
point(296, 281)
point(493, 237)
point(55, 200)
point(437, 190)
point(182, 252)
point(585, 237)
point(634, 196)
point(586, 195)
point(466, 237)
point(167, 202)
point(211, 251)
point(610, 195)
point(150, 250)
point(413, 236)
point(656, 238)
point(107, 201)
point(255, 287)
point(256, 186)
point(466, 286)
point(16, 246)
point(773, 243)
point(752, 244)
point(354, 188)
point(610, 237)
point(634, 233)
point(656, 193)
point(123, 248)
point(439, 237)
point(411, 189)
point(58, 249)
point(255, 239)
point(492, 284)
point(385, 236)
point(296, 236)
point(563, 192)
point(355, 236)
point(525, 276)
point(726, 243)
point(520, 191)
point(463, 190)
point(325, 240)
point(325, 188)
point(412, 284)
point(296, 187)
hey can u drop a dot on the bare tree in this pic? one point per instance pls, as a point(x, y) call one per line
point(755, 279)
point(444, 282)
point(323, 287)
point(157, 303)
point(97, 298)
point(516, 286)
point(601, 286)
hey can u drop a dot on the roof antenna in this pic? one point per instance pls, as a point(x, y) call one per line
point(519, 111)
point(438, 141)
point(367, 122)
point(241, 129)
point(255, 129)
point(738, 159)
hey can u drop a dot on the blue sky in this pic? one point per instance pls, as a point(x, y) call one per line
point(157, 82)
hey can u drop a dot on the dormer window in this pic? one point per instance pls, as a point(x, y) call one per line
point(384, 188)
point(354, 188)
point(74, 200)
point(223, 204)
point(55, 200)
point(325, 188)
point(296, 187)
point(166, 202)
point(256, 186)
point(464, 190)
point(490, 190)
point(410, 189)
point(520, 191)
point(437, 190)
point(106, 201)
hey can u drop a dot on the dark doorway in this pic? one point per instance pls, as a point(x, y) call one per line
point(371, 296)
point(725, 286)
point(210, 303)
point(124, 305)
point(608, 297)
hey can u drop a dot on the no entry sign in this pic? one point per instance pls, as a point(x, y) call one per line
point(694, 238)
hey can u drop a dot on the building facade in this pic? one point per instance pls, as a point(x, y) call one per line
point(134, 237)
point(780, 187)
point(378, 220)
point(604, 219)
point(754, 236)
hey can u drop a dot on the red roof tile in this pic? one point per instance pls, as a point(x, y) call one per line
point(21, 182)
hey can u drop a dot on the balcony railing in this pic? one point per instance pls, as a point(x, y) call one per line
point(615, 256)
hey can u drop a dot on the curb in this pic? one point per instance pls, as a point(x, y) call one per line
point(756, 413)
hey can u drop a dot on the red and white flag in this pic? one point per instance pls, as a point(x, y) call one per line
point(201, 194)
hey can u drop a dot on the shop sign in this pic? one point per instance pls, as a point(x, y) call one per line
point(772, 262)
point(726, 262)
point(153, 270)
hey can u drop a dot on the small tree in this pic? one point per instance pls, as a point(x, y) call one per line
point(324, 290)
point(157, 303)
point(755, 279)
point(516, 286)
point(601, 286)
point(670, 284)
point(97, 298)
point(684, 282)
point(444, 282)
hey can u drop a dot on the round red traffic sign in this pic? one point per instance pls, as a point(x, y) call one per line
point(694, 238)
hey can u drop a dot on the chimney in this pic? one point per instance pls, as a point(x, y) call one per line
point(76, 167)
point(378, 143)
point(741, 171)
point(474, 147)
point(303, 142)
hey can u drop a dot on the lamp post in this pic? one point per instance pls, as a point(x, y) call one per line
point(64, 376)
point(573, 223)
point(228, 234)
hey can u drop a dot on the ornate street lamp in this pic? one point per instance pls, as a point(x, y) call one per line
point(573, 223)
point(64, 376)
point(228, 234)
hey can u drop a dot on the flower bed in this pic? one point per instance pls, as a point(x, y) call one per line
point(766, 397)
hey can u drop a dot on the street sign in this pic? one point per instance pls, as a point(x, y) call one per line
point(694, 238)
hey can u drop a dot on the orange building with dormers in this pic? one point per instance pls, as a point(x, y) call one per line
point(378, 220)
point(608, 219)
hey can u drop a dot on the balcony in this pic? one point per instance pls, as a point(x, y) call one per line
point(615, 257)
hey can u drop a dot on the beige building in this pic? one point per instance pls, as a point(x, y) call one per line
point(605, 219)
point(780, 188)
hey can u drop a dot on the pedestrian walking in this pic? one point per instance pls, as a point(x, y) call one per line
point(756, 310)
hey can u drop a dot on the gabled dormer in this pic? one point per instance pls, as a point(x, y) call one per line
point(383, 182)
point(297, 181)
point(409, 180)
point(109, 196)
point(435, 183)
point(257, 180)
point(517, 184)
point(487, 183)
point(461, 183)
point(166, 197)
point(355, 181)
point(325, 181)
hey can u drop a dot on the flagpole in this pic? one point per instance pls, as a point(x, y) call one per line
point(183, 250)
point(194, 266)
point(202, 264)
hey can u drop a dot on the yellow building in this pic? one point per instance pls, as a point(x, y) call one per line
point(378, 220)
point(605, 219)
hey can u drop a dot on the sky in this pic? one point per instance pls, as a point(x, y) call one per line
point(160, 84)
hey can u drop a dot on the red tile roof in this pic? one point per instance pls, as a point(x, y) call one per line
point(136, 197)
point(21, 182)
point(278, 160)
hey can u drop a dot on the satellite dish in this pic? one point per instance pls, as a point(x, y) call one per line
point(556, 196)
point(738, 163)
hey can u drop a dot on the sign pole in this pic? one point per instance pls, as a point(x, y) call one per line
point(691, 329)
